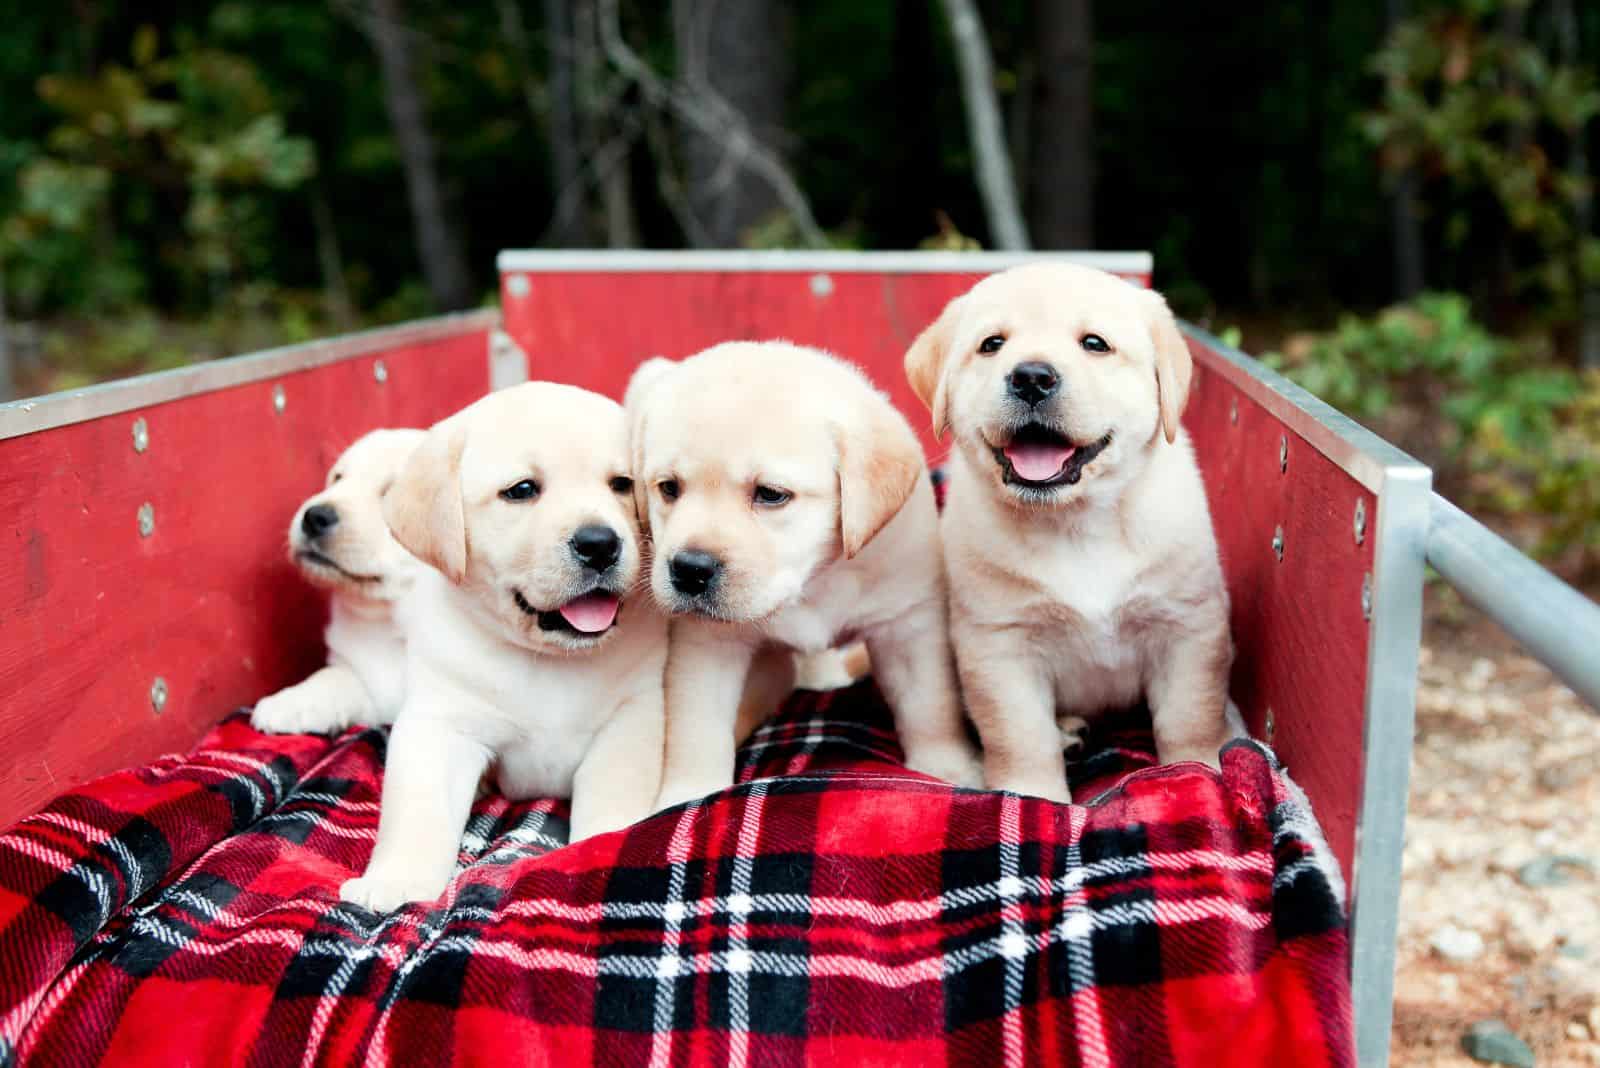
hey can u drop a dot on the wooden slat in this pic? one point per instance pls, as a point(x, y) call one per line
point(91, 612)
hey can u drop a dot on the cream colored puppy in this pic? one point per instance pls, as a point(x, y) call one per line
point(524, 646)
point(339, 541)
point(789, 506)
point(1083, 568)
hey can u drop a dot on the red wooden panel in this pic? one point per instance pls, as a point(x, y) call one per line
point(1298, 624)
point(93, 612)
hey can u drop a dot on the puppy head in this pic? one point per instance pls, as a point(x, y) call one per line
point(524, 500)
point(760, 464)
point(1055, 379)
point(338, 538)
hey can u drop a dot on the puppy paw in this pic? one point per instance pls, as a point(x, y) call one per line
point(954, 763)
point(381, 892)
point(286, 712)
point(1072, 730)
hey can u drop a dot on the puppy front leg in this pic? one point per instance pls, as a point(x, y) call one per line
point(1012, 703)
point(1188, 695)
point(429, 779)
point(706, 671)
point(330, 700)
point(620, 776)
point(913, 666)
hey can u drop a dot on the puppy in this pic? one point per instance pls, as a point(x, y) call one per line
point(339, 542)
point(1083, 567)
point(789, 506)
point(525, 647)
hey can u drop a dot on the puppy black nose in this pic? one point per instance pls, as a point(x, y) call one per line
point(692, 571)
point(1033, 381)
point(318, 520)
point(596, 547)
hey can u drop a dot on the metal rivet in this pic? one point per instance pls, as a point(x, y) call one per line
point(1361, 520)
point(1366, 596)
point(518, 285)
point(1277, 543)
point(280, 400)
point(1283, 452)
point(158, 694)
point(1269, 726)
point(1233, 411)
point(141, 435)
point(821, 285)
point(380, 372)
point(147, 519)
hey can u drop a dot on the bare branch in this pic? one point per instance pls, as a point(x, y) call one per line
point(705, 110)
point(990, 159)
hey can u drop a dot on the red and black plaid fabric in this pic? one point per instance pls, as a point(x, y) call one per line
point(832, 908)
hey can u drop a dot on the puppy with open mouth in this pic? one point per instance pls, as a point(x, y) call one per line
point(340, 543)
point(789, 506)
point(1083, 567)
point(526, 645)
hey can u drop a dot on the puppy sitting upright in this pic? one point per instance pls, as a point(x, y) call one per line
point(1083, 567)
point(339, 542)
point(523, 647)
point(789, 506)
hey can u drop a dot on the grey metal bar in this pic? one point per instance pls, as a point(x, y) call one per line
point(838, 262)
point(1553, 621)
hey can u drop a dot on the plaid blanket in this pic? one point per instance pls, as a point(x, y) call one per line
point(831, 908)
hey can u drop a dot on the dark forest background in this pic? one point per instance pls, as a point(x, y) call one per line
point(1394, 199)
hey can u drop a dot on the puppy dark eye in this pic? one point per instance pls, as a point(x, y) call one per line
point(526, 490)
point(1094, 343)
point(621, 485)
point(771, 496)
point(668, 488)
point(990, 345)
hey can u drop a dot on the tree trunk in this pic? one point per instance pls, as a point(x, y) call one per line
point(990, 159)
point(569, 228)
point(335, 286)
point(8, 375)
point(1060, 164)
point(1588, 290)
point(911, 192)
point(444, 265)
point(1405, 217)
point(595, 106)
point(736, 50)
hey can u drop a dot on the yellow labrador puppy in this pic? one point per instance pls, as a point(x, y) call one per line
point(339, 541)
point(1083, 567)
point(789, 507)
point(524, 646)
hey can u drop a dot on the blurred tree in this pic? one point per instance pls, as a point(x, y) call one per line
point(1409, 273)
point(1061, 154)
point(991, 158)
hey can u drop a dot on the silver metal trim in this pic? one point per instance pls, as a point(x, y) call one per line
point(508, 364)
point(1360, 453)
point(61, 409)
point(1553, 621)
point(754, 260)
point(1393, 644)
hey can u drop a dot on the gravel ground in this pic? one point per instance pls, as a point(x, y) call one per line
point(1500, 908)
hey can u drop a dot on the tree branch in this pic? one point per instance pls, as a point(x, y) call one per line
point(990, 159)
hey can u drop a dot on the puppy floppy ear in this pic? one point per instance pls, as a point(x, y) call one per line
point(1174, 363)
point(424, 509)
point(925, 361)
point(636, 402)
point(879, 464)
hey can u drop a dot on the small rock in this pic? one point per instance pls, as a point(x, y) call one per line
point(1492, 1042)
point(1574, 950)
point(1457, 944)
point(1577, 1032)
point(1553, 871)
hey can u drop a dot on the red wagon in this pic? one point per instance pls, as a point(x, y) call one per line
point(144, 592)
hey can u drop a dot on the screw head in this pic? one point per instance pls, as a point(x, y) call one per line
point(147, 519)
point(1283, 452)
point(821, 285)
point(380, 371)
point(1361, 520)
point(1366, 596)
point(1233, 410)
point(141, 435)
point(280, 399)
point(1277, 543)
point(158, 694)
point(1269, 726)
point(518, 285)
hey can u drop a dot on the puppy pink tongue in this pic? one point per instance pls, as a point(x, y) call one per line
point(591, 613)
point(1038, 463)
